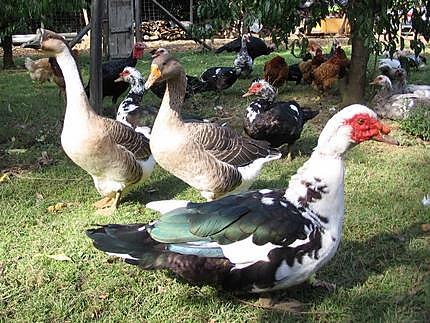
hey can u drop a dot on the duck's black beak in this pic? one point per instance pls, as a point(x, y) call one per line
point(34, 42)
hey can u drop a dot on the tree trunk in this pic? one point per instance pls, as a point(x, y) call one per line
point(354, 92)
point(6, 43)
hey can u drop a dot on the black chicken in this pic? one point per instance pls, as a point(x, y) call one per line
point(111, 70)
point(256, 47)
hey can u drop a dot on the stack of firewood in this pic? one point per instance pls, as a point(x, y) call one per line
point(161, 30)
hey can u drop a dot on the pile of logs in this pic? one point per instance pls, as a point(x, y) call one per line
point(161, 30)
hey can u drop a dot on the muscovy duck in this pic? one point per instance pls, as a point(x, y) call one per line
point(278, 123)
point(112, 68)
point(397, 106)
point(256, 47)
point(243, 60)
point(258, 241)
point(212, 158)
point(114, 155)
point(130, 110)
point(220, 78)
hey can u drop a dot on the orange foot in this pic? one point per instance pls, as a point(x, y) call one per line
point(104, 202)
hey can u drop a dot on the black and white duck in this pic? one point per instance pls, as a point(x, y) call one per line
point(258, 241)
point(243, 60)
point(278, 122)
point(130, 111)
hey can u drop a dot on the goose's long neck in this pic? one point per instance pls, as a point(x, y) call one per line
point(77, 101)
point(170, 109)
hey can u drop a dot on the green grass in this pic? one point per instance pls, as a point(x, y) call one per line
point(382, 268)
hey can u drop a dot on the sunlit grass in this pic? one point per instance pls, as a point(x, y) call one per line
point(381, 270)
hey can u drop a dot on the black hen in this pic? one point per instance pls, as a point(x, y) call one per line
point(256, 47)
point(111, 70)
point(278, 123)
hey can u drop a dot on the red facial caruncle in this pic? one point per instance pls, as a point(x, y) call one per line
point(125, 73)
point(365, 127)
point(138, 50)
point(255, 87)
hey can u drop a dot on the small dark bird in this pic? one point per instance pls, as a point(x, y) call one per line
point(256, 47)
point(111, 70)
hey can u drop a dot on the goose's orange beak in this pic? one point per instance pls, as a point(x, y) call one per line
point(153, 76)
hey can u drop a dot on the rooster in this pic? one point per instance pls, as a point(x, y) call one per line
point(307, 66)
point(47, 69)
point(111, 70)
point(328, 72)
point(39, 70)
point(276, 71)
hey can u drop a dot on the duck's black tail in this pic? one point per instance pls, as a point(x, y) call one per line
point(133, 243)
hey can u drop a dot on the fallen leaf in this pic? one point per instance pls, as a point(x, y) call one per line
point(425, 227)
point(59, 207)
point(103, 295)
point(39, 197)
point(4, 177)
point(60, 257)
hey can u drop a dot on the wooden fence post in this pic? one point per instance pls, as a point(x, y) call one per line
point(137, 20)
point(96, 89)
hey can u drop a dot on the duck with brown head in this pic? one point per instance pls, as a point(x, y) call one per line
point(113, 154)
point(211, 158)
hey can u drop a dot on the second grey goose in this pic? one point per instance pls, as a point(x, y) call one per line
point(211, 158)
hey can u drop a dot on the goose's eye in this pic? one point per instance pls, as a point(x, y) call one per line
point(360, 121)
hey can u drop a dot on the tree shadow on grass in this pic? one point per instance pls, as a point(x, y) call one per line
point(352, 266)
point(165, 188)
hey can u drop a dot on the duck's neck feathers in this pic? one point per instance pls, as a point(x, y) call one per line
point(78, 107)
point(319, 183)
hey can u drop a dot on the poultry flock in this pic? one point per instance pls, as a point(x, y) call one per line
point(239, 240)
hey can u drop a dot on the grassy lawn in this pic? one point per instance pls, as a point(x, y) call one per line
point(382, 269)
